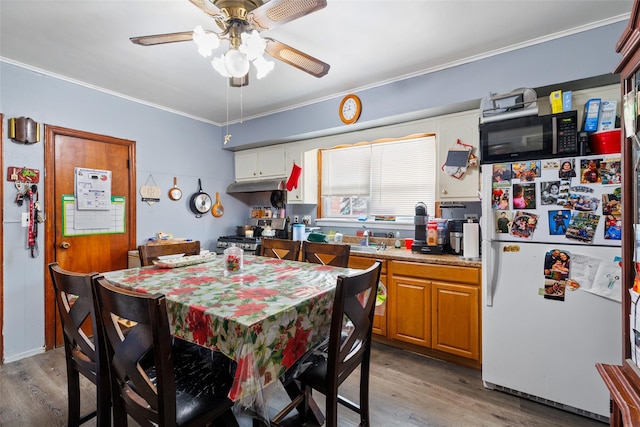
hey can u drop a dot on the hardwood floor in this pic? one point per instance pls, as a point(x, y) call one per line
point(406, 390)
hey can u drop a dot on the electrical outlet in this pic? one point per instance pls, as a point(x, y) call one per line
point(295, 219)
point(25, 219)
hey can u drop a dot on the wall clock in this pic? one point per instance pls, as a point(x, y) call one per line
point(350, 109)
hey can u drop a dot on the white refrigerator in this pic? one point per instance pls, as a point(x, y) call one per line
point(548, 318)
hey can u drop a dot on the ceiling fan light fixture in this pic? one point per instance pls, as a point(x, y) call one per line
point(206, 41)
point(236, 63)
point(218, 64)
point(263, 67)
point(252, 45)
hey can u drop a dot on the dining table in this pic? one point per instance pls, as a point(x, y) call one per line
point(265, 316)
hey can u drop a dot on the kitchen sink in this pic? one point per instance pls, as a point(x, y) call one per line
point(368, 249)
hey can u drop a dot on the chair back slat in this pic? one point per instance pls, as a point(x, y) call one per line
point(150, 253)
point(146, 343)
point(326, 253)
point(280, 248)
point(354, 303)
point(84, 355)
point(75, 306)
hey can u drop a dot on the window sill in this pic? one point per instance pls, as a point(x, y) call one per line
point(401, 223)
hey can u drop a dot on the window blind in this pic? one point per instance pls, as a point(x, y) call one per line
point(346, 171)
point(403, 174)
point(395, 175)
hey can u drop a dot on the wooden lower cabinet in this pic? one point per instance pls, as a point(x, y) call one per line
point(455, 319)
point(379, 321)
point(435, 307)
point(409, 308)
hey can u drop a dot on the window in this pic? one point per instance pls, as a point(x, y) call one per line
point(387, 178)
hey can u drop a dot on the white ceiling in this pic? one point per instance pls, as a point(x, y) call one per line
point(366, 42)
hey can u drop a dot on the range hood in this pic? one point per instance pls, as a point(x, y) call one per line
point(256, 186)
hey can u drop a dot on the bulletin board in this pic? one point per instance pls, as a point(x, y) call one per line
point(84, 222)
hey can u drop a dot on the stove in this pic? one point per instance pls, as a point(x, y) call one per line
point(248, 244)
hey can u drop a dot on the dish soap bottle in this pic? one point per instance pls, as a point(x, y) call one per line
point(397, 243)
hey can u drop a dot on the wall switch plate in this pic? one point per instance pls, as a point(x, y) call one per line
point(25, 219)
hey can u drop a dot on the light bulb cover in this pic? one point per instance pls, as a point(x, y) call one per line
point(236, 63)
point(252, 45)
point(263, 67)
point(206, 42)
point(218, 64)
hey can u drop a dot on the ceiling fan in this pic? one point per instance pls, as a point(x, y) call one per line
point(240, 22)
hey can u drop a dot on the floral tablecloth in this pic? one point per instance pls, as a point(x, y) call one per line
point(264, 317)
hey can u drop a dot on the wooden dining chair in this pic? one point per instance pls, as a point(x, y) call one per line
point(150, 253)
point(326, 253)
point(348, 346)
point(280, 248)
point(155, 381)
point(84, 355)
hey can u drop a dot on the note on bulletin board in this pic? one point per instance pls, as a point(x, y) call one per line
point(84, 222)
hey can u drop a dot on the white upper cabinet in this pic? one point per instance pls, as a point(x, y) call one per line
point(307, 190)
point(265, 162)
point(451, 128)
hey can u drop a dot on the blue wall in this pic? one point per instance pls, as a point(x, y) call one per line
point(171, 145)
point(574, 57)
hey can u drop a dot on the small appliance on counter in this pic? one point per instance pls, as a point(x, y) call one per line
point(457, 238)
point(428, 238)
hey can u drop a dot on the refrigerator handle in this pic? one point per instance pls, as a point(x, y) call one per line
point(487, 271)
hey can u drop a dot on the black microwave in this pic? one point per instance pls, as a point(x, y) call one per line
point(529, 138)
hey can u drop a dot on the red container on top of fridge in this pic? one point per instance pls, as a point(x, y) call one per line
point(605, 142)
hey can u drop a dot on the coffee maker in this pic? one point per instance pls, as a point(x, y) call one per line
point(420, 220)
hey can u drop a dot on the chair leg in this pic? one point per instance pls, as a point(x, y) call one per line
point(332, 409)
point(73, 395)
point(119, 412)
point(364, 392)
point(104, 403)
point(364, 401)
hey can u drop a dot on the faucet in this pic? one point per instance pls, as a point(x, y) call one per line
point(367, 235)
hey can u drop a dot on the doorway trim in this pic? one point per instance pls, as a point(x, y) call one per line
point(51, 132)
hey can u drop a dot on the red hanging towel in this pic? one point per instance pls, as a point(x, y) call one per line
point(292, 182)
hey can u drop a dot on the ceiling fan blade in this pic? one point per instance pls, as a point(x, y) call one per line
point(276, 12)
point(163, 38)
point(294, 57)
point(207, 7)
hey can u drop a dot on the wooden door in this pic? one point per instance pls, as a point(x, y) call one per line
point(84, 251)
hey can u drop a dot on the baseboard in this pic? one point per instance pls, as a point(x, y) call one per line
point(23, 355)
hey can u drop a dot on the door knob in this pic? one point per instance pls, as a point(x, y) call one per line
point(65, 245)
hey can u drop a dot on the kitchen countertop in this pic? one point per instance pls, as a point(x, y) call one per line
point(406, 255)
